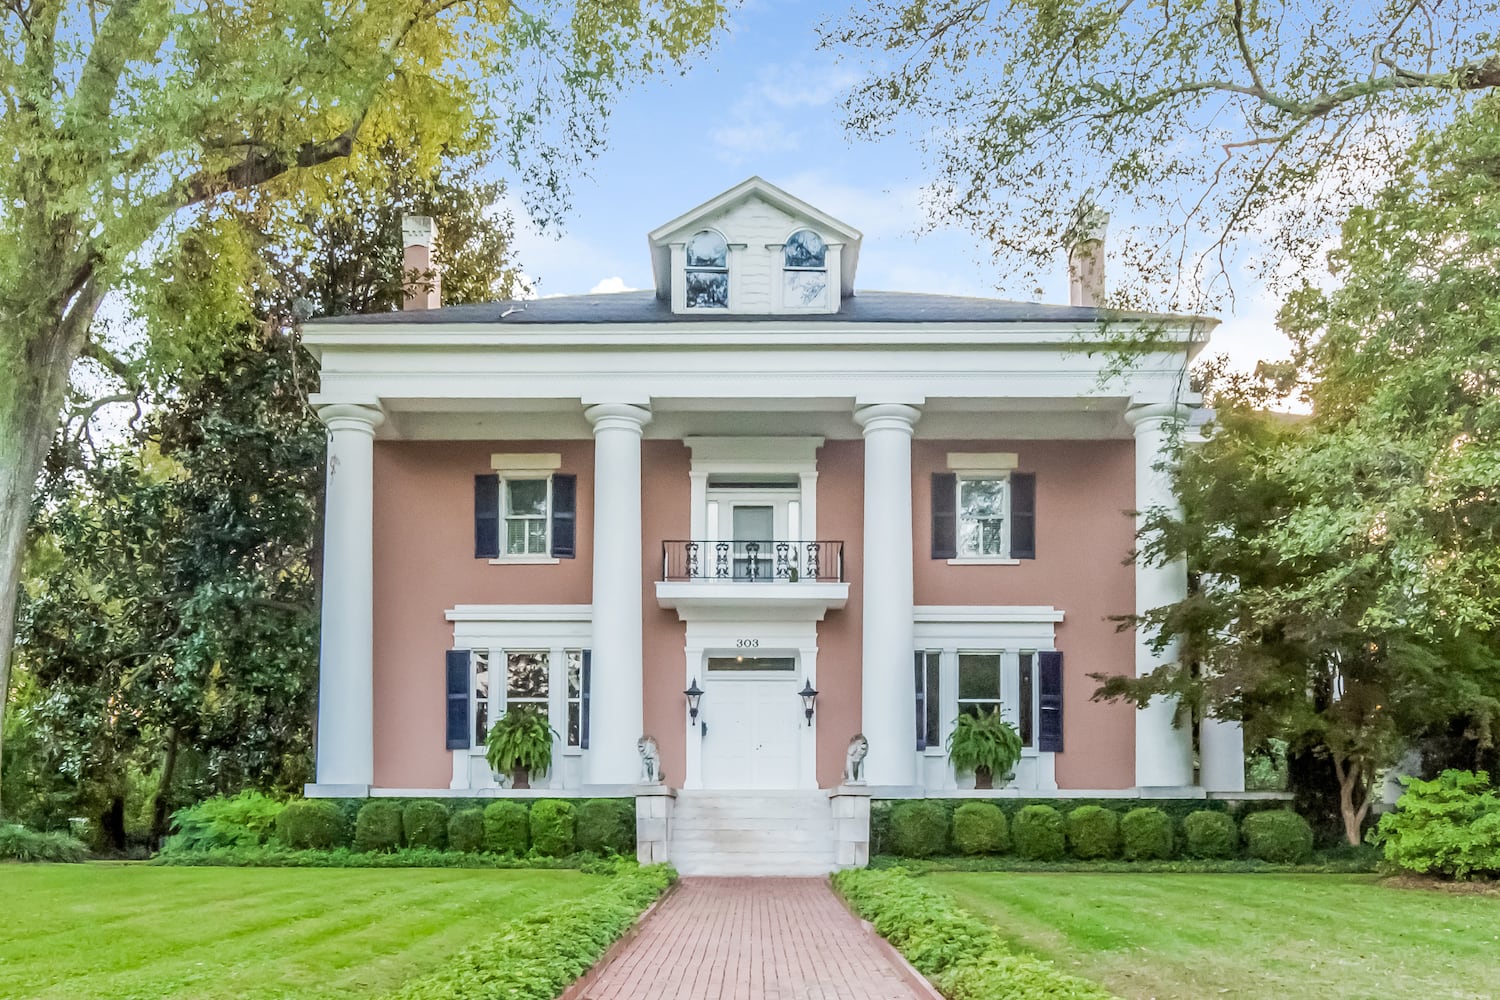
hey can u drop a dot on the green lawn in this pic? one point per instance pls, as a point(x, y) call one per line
point(1261, 936)
point(132, 932)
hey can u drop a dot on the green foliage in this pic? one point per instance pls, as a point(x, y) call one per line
point(1210, 835)
point(378, 827)
point(919, 828)
point(521, 738)
point(245, 820)
point(466, 831)
point(965, 956)
point(606, 826)
point(1449, 826)
point(538, 956)
point(980, 828)
point(1146, 834)
point(274, 855)
point(20, 844)
point(425, 824)
point(985, 741)
point(506, 828)
point(1038, 833)
point(1340, 860)
point(312, 824)
point(552, 827)
point(1093, 833)
point(1279, 836)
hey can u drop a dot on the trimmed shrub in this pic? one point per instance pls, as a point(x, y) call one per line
point(378, 826)
point(1279, 836)
point(245, 820)
point(1450, 826)
point(980, 828)
point(919, 828)
point(312, 825)
point(606, 826)
point(552, 827)
point(1146, 835)
point(506, 828)
point(1211, 834)
point(466, 831)
point(20, 844)
point(425, 824)
point(1038, 834)
point(1093, 833)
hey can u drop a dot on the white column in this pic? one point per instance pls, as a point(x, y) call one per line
point(616, 698)
point(889, 699)
point(346, 689)
point(1221, 756)
point(1163, 751)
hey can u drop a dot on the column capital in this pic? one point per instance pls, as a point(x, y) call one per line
point(887, 417)
point(618, 417)
point(1148, 416)
point(351, 417)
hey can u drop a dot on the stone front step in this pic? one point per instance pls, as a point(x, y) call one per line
point(753, 833)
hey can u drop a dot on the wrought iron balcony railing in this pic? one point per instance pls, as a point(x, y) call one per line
point(753, 562)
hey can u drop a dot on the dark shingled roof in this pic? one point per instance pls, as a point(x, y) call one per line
point(645, 307)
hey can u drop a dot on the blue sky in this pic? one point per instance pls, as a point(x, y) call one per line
point(765, 101)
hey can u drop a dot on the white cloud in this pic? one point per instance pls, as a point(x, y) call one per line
point(607, 286)
point(769, 115)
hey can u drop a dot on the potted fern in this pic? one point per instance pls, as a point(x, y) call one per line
point(987, 745)
point(520, 744)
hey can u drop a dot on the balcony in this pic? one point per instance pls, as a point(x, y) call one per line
point(752, 579)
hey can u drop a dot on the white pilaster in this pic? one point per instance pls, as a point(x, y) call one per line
point(889, 699)
point(1163, 751)
point(1221, 756)
point(616, 721)
point(346, 690)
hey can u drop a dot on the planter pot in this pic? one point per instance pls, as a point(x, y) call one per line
point(983, 778)
point(520, 778)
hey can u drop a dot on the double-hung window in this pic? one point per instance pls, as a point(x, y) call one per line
point(983, 516)
point(527, 505)
point(983, 524)
point(984, 687)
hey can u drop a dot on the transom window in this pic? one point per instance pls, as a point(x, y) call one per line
point(983, 524)
point(805, 270)
point(526, 503)
point(706, 279)
point(753, 663)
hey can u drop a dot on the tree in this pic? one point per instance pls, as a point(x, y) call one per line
point(1348, 565)
point(1219, 123)
point(131, 117)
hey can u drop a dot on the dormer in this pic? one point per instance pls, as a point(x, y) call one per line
point(754, 250)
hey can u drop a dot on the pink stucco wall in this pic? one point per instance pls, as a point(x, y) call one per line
point(424, 565)
point(1085, 491)
point(841, 505)
point(666, 497)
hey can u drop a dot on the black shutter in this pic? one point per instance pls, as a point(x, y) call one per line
point(458, 699)
point(921, 674)
point(583, 700)
point(1023, 515)
point(1049, 737)
point(487, 517)
point(564, 516)
point(944, 515)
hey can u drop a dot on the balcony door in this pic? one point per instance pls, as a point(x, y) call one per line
point(760, 524)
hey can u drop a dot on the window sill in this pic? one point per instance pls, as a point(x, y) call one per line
point(525, 561)
point(983, 561)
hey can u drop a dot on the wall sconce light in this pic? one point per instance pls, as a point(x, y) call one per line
point(809, 698)
point(694, 695)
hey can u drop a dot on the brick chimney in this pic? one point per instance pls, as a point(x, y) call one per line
point(422, 284)
point(1085, 245)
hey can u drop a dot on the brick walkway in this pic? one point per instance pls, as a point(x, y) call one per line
point(751, 939)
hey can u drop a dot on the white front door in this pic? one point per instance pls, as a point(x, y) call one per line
point(751, 718)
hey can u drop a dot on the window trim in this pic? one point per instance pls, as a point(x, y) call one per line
point(542, 558)
point(1003, 558)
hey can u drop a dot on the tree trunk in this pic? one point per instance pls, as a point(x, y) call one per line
point(30, 409)
point(163, 789)
point(1353, 785)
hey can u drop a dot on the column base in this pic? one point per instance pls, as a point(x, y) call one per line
point(328, 790)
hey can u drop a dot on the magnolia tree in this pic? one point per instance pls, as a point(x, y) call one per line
point(127, 118)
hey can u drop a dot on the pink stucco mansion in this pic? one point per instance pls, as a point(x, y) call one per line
point(756, 482)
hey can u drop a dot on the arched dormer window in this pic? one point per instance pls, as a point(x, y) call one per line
point(805, 270)
point(706, 280)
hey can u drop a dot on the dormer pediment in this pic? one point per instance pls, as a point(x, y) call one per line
point(754, 249)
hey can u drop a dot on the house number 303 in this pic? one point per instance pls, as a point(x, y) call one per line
point(747, 643)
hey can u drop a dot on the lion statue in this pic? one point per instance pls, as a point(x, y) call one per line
point(650, 760)
point(854, 760)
